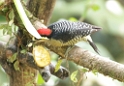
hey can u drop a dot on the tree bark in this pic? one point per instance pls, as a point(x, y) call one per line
point(41, 9)
point(98, 63)
point(25, 75)
point(92, 61)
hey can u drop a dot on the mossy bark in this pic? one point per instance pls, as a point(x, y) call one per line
point(25, 75)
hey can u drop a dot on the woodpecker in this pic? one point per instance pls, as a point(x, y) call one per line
point(67, 33)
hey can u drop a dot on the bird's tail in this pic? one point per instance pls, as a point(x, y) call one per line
point(92, 44)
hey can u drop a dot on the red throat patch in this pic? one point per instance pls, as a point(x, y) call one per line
point(44, 31)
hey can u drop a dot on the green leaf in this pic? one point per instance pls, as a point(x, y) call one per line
point(11, 17)
point(23, 51)
point(95, 72)
point(16, 28)
point(72, 19)
point(40, 80)
point(95, 7)
point(11, 14)
point(2, 26)
point(13, 58)
point(73, 76)
point(16, 66)
point(5, 28)
point(4, 31)
point(57, 67)
point(29, 14)
point(84, 70)
point(9, 30)
point(5, 9)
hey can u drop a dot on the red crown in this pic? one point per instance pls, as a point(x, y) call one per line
point(44, 31)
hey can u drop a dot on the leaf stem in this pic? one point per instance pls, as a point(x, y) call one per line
point(28, 25)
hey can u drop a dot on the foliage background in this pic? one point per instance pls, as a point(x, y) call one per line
point(108, 14)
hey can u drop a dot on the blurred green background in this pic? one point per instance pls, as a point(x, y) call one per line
point(108, 14)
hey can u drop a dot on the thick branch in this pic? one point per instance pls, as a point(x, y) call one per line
point(93, 61)
point(79, 56)
point(96, 62)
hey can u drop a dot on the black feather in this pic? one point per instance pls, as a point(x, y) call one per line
point(93, 46)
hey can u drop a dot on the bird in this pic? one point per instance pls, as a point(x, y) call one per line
point(67, 33)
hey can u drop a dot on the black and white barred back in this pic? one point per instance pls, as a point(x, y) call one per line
point(66, 30)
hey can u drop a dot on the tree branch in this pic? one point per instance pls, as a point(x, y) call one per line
point(79, 56)
point(96, 62)
point(92, 61)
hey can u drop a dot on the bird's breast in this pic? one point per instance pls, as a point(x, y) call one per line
point(60, 43)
